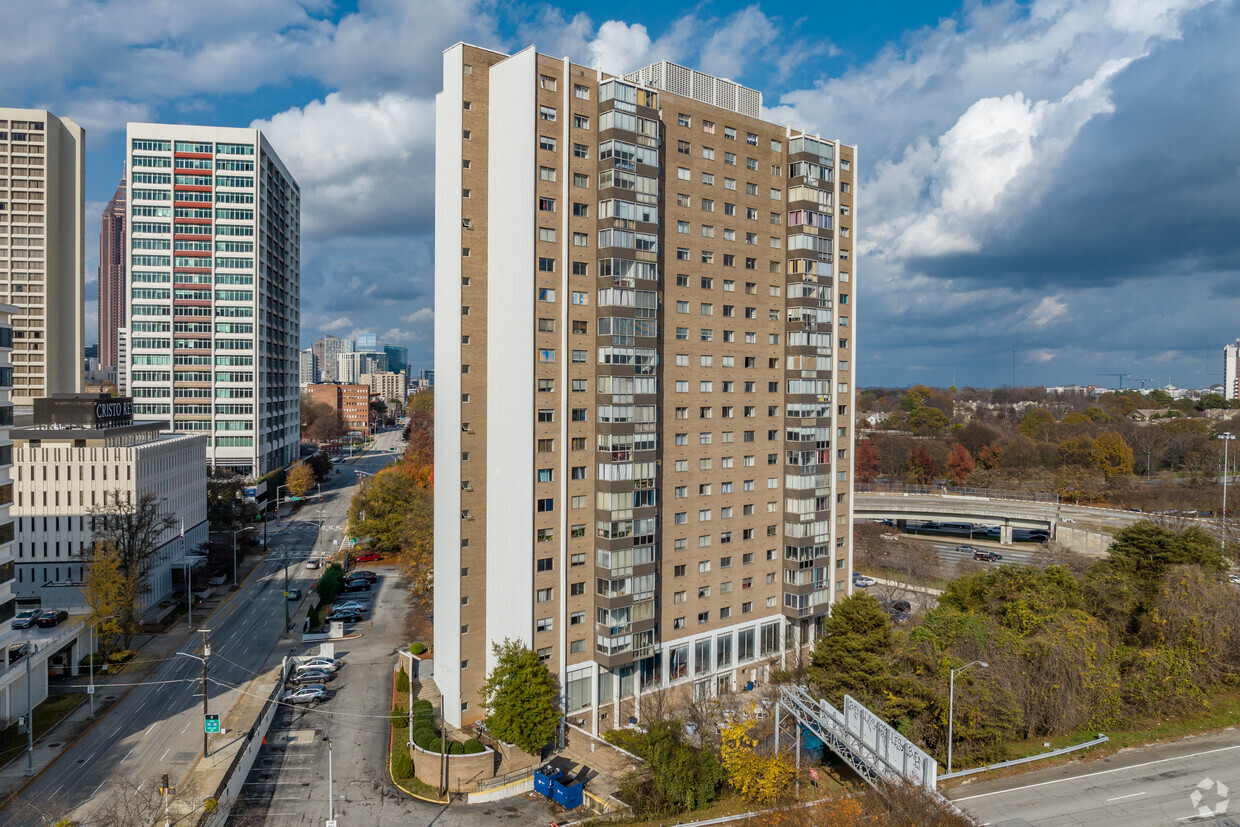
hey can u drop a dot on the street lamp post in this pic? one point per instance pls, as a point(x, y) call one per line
point(1227, 437)
point(951, 705)
point(91, 691)
point(30, 650)
point(331, 801)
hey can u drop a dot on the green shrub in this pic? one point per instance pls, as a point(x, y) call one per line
point(456, 748)
point(473, 746)
point(419, 706)
point(402, 764)
point(428, 740)
point(399, 719)
point(417, 648)
point(402, 680)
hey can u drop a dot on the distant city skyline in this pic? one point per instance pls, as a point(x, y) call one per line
point(1013, 155)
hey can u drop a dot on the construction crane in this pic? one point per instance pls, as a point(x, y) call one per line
point(1119, 385)
point(1151, 381)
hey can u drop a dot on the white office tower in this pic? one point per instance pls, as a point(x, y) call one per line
point(8, 602)
point(42, 249)
point(1231, 370)
point(214, 253)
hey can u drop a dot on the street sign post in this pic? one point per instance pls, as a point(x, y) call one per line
point(211, 724)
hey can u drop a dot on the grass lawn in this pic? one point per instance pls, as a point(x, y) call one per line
point(46, 715)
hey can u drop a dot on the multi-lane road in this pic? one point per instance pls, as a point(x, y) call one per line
point(157, 726)
point(1192, 781)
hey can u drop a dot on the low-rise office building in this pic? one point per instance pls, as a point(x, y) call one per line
point(80, 451)
point(350, 402)
point(386, 385)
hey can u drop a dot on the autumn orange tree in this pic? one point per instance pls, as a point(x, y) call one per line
point(301, 478)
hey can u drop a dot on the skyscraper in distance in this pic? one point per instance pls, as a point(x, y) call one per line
point(397, 358)
point(1231, 370)
point(113, 292)
point(645, 327)
point(42, 250)
point(214, 255)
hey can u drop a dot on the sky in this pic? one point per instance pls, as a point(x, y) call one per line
point(1049, 190)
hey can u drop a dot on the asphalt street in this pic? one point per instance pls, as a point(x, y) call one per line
point(157, 727)
point(1191, 781)
point(289, 782)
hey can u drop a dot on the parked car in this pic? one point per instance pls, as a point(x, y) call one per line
point(348, 616)
point(362, 574)
point(966, 549)
point(312, 564)
point(18, 651)
point(988, 556)
point(311, 693)
point(294, 594)
point(359, 584)
point(368, 557)
point(330, 664)
point(346, 606)
point(25, 618)
point(306, 676)
point(863, 582)
point(52, 617)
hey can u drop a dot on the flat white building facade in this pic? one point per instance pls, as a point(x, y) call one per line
point(214, 255)
point(1231, 370)
point(63, 473)
point(42, 249)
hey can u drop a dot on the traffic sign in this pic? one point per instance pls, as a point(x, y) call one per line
point(212, 724)
point(293, 499)
point(331, 822)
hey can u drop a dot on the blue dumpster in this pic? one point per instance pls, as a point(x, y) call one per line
point(544, 777)
point(567, 795)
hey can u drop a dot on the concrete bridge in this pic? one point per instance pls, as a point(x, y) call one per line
point(1081, 528)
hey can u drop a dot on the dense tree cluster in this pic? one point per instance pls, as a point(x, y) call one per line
point(1085, 449)
point(394, 511)
point(1149, 631)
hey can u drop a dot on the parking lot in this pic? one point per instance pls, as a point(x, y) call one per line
point(288, 784)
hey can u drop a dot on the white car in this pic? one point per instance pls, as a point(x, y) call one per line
point(330, 664)
point(863, 582)
point(310, 693)
point(350, 606)
point(312, 564)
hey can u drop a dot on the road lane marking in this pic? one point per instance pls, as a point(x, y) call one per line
point(1101, 772)
point(1122, 797)
point(165, 755)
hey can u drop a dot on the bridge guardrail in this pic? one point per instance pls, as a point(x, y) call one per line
point(956, 491)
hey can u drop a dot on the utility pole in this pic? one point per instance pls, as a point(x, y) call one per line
point(206, 653)
point(331, 801)
point(287, 624)
point(189, 592)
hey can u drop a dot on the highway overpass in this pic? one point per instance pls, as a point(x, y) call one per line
point(1081, 528)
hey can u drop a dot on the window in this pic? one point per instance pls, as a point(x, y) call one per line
point(546, 265)
point(580, 298)
point(708, 127)
point(708, 178)
point(577, 589)
point(545, 595)
point(546, 204)
point(683, 120)
point(546, 142)
point(581, 92)
point(683, 200)
point(545, 82)
point(546, 174)
point(581, 122)
point(546, 446)
point(682, 226)
point(580, 240)
point(546, 505)
point(546, 564)
point(581, 151)
point(581, 210)
point(546, 113)
point(580, 179)
point(708, 153)
point(683, 173)
point(546, 294)
point(546, 326)
point(546, 234)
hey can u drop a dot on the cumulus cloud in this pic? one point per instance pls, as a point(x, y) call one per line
point(365, 166)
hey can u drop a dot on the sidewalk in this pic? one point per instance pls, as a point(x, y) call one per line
point(110, 689)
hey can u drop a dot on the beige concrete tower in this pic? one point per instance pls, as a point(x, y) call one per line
point(42, 254)
point(644, 336)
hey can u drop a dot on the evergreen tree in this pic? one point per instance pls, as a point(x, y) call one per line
point(521, 698)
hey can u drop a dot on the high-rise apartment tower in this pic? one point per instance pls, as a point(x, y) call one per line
point(1231, 370)
point(214, 248)
point(645, 329)
point(113, 295)
point(8, 601)
point(42, 249)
